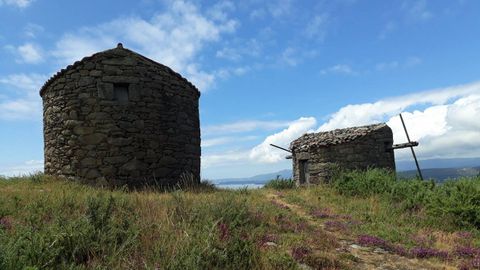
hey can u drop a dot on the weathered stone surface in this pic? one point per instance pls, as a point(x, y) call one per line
point(96, 73)
point(120, 141)
point(116, 160)
point(105, 90)
point(153, 135)
point(88, 162)
point(92, 139)
point(82, 130)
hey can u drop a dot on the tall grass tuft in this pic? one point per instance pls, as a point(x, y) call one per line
point(280, 183)
point(456, 202)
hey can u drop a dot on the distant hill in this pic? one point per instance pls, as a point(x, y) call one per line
point(441, 174)
point(438, 169)
point(257, 179)
point(439, 163)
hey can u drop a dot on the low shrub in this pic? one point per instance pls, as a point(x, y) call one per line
point(280, 183)
point(364, 183)
point(411, 194)
point(457, 201)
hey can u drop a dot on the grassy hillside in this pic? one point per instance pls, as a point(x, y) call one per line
point(361, 220)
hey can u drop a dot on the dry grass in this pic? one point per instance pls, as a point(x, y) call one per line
point(49, 223)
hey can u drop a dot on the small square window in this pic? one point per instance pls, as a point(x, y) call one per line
point(120, 91)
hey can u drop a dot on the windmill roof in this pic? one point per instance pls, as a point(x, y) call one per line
point(117, 52)
point(334, 137)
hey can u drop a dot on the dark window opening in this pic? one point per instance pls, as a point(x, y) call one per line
point(121, 92)
point(304, 173)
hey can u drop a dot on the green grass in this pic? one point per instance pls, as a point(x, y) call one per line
point(280, 183)
point(47, 223)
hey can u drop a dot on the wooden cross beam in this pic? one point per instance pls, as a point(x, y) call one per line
point(404, 145)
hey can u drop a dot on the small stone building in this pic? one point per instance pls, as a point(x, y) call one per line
point(316, 156)
point(118, 118)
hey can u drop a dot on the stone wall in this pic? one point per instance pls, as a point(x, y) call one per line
point(91, 134)
point(371, 150)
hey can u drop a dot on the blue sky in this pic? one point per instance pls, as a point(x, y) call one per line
point(268, 71)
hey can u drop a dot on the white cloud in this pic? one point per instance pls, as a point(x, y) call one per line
point(366, 113)
point(251, 48)
point(447, 127)
point(220, 10)
point(243, 126)
point(408, 62)
point(261, 153)
point(32, 30)
point(280, 8)
point(225, 73)
point(387, 29)
point(21, 99)
point(317, 27)
point(28, 84)
point(265, 153)
point(417, 10)
point(17, 3)
point(26, 168)
point(290, 57)
point(387, 65)
point(30, 53)
point(229, 158)
point(173, 38)
point(412, 61)
point(339, 69)
point(224, 140)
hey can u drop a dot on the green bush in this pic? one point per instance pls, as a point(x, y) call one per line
point(411, 194)
point(364, 183)
point(457, 201)
point(280, 183)
point(454, 201)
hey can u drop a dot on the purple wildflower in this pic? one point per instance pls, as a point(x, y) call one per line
point(423, 252)
point(369, 240)
point(223, 231)
point(399, 250)
point(464, 235)
point(268, 238)
point(467, 251)
point(373, 241)
point(299, 253)
point(334, 225)
point(322, 214)
point(6, 222)
point(422, 240)
point(301, 226)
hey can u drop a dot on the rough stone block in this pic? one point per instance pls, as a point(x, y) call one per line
point(105, 90)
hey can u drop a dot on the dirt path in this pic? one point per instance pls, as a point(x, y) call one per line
point(366, 257)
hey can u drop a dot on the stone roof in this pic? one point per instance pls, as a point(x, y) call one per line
point(333, 137)
point(118, 51)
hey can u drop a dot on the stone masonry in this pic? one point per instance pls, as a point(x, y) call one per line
point(316, 156)
point(118, 118)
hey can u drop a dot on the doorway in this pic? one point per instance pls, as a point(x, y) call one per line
point(304, 173)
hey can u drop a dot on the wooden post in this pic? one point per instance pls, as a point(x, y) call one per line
point(411, 148)
point(276, 146)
